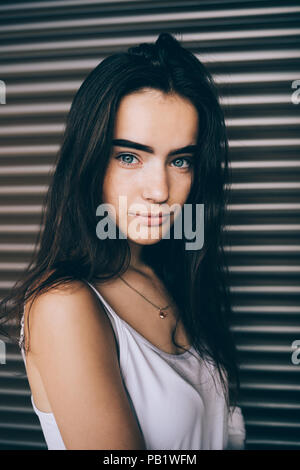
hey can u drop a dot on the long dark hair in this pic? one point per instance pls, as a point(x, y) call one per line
point(67, 247)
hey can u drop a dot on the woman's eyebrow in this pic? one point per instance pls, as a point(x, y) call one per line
point(128, 143)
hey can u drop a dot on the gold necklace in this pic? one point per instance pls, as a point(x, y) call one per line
point(161, 313)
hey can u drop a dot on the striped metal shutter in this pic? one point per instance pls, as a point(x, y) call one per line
point(252, 49)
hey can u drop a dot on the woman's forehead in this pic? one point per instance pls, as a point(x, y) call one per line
point(147, 117)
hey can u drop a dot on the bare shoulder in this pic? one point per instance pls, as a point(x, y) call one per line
point(73, 347)
point(67, 308)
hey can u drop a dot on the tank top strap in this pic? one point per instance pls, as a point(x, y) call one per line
point(118, 327)
point(106, 304)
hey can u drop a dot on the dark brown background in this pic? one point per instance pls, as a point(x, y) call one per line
point(252, 48)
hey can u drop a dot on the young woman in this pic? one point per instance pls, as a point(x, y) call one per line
point(126, 338)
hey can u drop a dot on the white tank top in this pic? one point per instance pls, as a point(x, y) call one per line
point(173, 397)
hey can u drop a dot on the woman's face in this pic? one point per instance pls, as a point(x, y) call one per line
point(149, 126)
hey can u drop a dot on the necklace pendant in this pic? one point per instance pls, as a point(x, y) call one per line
point(162, 314)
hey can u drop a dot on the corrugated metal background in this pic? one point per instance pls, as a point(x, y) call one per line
point(252, 49)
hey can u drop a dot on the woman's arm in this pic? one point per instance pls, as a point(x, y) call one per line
point(73, 346)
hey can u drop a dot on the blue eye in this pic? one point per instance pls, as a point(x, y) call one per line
point(129, 157)
point(119, 157)
point(181, 159)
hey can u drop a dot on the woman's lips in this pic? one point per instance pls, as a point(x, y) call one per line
point(151, 219)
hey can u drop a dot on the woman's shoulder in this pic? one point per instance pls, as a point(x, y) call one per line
point(57, 289)
point(74, 351)
point(64, 308)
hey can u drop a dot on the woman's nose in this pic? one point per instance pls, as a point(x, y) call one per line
point(155, 184)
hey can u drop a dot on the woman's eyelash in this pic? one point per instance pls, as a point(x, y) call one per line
point(189, 160)
point(122, 155)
